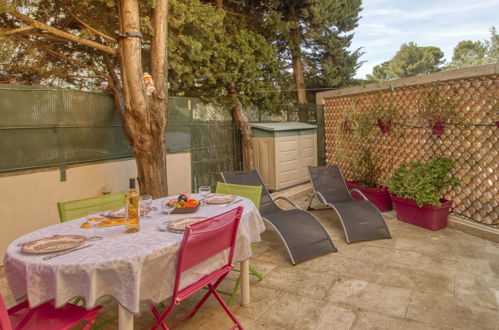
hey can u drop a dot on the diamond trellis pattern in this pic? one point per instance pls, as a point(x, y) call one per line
point(473, 145)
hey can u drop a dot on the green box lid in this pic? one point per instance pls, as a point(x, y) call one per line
point(283, 126)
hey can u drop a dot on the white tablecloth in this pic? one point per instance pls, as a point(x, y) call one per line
point(128, 267)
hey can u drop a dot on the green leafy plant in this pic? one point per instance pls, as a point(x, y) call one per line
point(365, 168)
point(423, 182)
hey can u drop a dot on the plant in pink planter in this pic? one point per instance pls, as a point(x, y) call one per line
point(439, 105)
point(382, 113)
point(367, 180)
point(417, 190)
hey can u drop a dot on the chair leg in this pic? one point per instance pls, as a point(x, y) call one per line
point(202, 301)
point(90, 321)
point(234, 291)
point(310, 203)
point(254, 272)
point(103, 323)
point(225, 307)
point(160, 317)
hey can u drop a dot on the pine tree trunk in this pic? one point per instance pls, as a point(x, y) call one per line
point(145, 118)
point(243, 126)
point(295, 41)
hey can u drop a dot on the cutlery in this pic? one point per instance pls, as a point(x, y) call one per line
point(234, 202)
point(66, 252)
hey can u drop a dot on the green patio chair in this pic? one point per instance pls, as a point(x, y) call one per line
point(250, 192)
point(79, 208)
point(253, 193)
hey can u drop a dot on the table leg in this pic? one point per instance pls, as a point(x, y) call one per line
point(245, 287)
point(125, 319)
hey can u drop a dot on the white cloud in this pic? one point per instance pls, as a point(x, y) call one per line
point(385, 25)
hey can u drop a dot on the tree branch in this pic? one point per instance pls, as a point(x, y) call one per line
point(13, 31)
point(67, 58)
point(94, 30)
point(68, 36)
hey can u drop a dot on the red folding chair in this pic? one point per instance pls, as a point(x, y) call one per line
point(45, 316)
point(203, 240)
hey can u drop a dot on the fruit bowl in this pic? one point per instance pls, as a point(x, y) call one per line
point(184, 210)
point(181, 205)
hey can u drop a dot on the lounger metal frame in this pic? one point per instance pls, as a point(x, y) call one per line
point(322, 200)
point(264, 189)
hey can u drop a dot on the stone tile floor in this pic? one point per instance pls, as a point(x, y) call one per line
point(418, 280)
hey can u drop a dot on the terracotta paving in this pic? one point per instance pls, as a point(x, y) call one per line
point(418, 280)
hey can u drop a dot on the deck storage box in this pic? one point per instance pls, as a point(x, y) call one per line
point(282, 152)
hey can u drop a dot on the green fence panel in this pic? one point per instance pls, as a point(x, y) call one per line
point(25, 148)
point(87, 109)
point(41, 127)
point(29, 107)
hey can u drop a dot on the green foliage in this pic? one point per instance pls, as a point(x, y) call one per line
point(322, 40)
point(423, 182)
point(467, 47)
point(365, 166)
point(357, 127)
point(435, 105)
point(409, 61)
point(209, 49)
point(468, 53)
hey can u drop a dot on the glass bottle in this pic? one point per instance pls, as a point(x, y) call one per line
point(132, 205)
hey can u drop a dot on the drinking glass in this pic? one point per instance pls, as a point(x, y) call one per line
point(94, 222)
point(205, 192)
point(167, 208)
point(145, 206)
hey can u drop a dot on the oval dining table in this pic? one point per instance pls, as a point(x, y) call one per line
point(127, 267)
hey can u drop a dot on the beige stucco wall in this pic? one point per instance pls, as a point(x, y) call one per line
point(29, 199)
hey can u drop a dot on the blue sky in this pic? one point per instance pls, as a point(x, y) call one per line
point(387, 24)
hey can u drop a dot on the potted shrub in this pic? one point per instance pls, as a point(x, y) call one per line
point(417, 188)
point(367, 181)
point(438, 108)
point(382, 114)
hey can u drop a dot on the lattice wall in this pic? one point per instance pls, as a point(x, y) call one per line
point(474, 146)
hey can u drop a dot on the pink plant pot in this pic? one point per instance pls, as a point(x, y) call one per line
point(384, 126)
point(379, 196)
point(428, 216)
point(437, 127)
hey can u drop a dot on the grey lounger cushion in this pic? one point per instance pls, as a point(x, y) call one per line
point(361, 220)
point(304, 237)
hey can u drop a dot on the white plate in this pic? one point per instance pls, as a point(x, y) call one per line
point(220, 199)
point(53, 244)
point(118, 213)
point(180, 224)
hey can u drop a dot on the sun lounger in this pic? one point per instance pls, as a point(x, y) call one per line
point(361, 220)
point(304, 237)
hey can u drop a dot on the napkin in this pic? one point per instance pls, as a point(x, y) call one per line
point(107, 223)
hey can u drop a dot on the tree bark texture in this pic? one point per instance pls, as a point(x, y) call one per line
point(296, 55)
point(145, 118)
point(242, 124)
